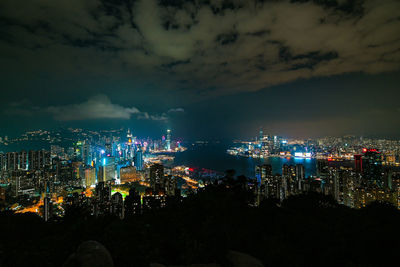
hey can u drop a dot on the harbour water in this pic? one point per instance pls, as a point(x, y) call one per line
point(214, 157)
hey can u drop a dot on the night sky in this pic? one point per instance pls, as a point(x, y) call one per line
point(205, 69)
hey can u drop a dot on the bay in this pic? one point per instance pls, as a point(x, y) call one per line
point(213, 156)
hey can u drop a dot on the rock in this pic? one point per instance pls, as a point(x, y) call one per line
point(90, 254)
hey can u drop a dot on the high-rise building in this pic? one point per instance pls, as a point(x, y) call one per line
point(168, 140)
point(139, 160)
point(300, 175)
point(133, 203)
point(77, 174)
point(47, 205)
point(107, 169)
point(337, 186)
point(300, 172)
point(117, 205)
point(358, 163)
point(12, 161)
point(366, 195)
point(153, 202)
point(2, 162)
point(103, 192)
point(86, 153)
point(38, 160)
point(171, 186)
point(108, 147)
point(23, 160)
point(289, 171)
point(276, 142)
point(157, 177)
point(262, 172)
point(270, 188)
point(372, 166)
point(322, 168)
point(78, 150)
point(128, 174)
point(57, 151)
point(21, 184)
point(64, 172)
point(2, 194)
point(90, 176)
point(129, 145)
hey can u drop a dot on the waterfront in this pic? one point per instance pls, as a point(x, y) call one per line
point(213, 156)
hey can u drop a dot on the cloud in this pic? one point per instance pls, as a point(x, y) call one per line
point(146, 116)
point(21, 108)
point(210, 47)
point(97, 107)
point(176, 110)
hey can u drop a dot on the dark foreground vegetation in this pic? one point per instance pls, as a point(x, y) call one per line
point(306, 230)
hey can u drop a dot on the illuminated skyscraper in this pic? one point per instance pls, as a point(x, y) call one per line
point(2, 162)
point(277, 142)
point(289, 171)
point(38, 160)
point(358, 163)
point(117, 205)
point(300, 175)
point(139, 160)
point(106, 170)
point(171, 188)
point(322, 168)
point(129, 145)
point(12, 161)
point(157, 177)
point(23, 160)
point(108, 146)
point(262, 172)
point(300, 172)
point(372, 166)
point(128, 174)
point(90, 176)
point(264, 178)
point(86, 153)
point(168, 141)
point(78, 150)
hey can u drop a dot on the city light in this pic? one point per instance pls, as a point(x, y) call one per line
point(199, 133)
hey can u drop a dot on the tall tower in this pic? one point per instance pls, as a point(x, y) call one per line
point(372, 166)
point(129, 136)
point(261, 135)
point(157, 176)
point(12, 161)
point(263, 172)
point(23, 160)
point(168, 141)
point(129, 144)
point(358, 163)
point(139, 160)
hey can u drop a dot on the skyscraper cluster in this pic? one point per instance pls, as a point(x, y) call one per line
point(357, 185)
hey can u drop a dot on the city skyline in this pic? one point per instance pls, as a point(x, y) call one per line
point(199, 132)
point(305, 68)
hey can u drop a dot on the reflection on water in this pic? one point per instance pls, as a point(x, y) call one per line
point(214, 156)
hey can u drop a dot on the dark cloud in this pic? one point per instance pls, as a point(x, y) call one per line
point(175, 110)
point(216, 42)
point(95, 108)
point(167, 53)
